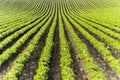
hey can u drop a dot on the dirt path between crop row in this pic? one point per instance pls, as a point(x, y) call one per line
point(55, 70)
point(77, 63)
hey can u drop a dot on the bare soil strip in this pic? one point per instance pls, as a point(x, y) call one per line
point(55, 70)
point(77, 62)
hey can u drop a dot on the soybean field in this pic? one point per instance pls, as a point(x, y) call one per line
point(59, 39)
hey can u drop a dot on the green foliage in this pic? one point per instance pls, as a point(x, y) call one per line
point(107, 55)
point(44, 61)
point(19, 63)
point(65, 60)
point(93, 71)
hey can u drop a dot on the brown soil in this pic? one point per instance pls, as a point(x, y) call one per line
point(55, 70)
point(79, 71)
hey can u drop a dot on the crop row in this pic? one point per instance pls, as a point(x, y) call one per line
point(83, 53)
point(107, 55)
point(34, 17)
point(19, 63)
point(44, 61)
